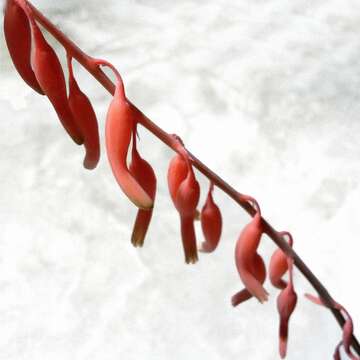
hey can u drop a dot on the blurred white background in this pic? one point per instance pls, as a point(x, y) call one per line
point(264, 92)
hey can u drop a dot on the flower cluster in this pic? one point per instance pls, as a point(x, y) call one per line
point(39, 66)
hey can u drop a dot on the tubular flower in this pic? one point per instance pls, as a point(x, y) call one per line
point(259, 271)
point(49, 74)
point(187, 198)
point(85, 118)
point(18, 40)
point(279, 265)
point(142, 171)
point(177, 172)
point(249, 263)
point(337, 352)
point(118, 130)
point(211, 223)
point(286, 303)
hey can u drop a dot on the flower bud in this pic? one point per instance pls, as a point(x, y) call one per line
point(144, 174)
point(246, 258)
point(177, 172)
point(187, 198)
point(211, 223)
point(118, 130)
point(49, 74)
point(277, 268)
point(286, 303)
point(18, 40)
point(85, 118)
point(259, 272)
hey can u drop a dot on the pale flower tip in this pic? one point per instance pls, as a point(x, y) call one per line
point(262, 296)
point(146, 204)
point(137, 239)
point(314, 299)
point(191, 259)
point(282, 347)
point(205, 248)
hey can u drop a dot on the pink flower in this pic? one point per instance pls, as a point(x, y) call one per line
point(279, 265)
point(249, 264)
point(286, 303)
point(144, 174)
point(211, 223)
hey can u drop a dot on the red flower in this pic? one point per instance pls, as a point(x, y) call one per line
point(118, 130)
point(18, 40)
point(187, 198)
point(49, 74)
point(144, 174)
point(177, 172)
point(85, 118)
point(279, 265)
point(211, 223)
point(286, 303)
point(249, 263)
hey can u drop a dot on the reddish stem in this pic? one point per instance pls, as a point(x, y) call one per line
point(93, 68)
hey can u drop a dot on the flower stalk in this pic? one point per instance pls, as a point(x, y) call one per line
point(93, 67)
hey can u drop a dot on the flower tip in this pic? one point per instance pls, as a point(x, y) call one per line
point(147, 204)
point(205, 248)
point(314, 299)
point(89, 164)
point(191, 259)
point(263, 297)
point(141, 225)
point(282, 347)
point(240, 297)
point(78, 140)
point(137, 239)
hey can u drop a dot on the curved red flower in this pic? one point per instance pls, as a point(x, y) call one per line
point(118, 131)
point(18, 40)
point(176, 174)
point(144, 174)
point(247, 260)
point(279, 265)
point(85, 118)
point(211, 223)
point(187, 198)
point(49, 74)
point(286, 303)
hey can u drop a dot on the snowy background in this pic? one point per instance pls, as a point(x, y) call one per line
point(264, 92)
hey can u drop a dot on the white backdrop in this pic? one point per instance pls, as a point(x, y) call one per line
point(264, 92)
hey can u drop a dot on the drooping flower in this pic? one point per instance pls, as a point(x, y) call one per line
point(50, 76)
point(249, 263)
point(279, 265)
point(211, 223)
point(176, 174)
point(259, 272)
point(187, 198)
point(118, 131)
point(286, 303)
point(337, 351)
point(144, 174)
point(85, 118)
point(18, 40)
